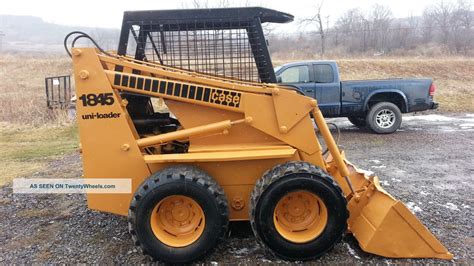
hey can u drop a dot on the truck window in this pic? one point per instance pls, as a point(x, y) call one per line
point(323, 73)
point(296, 74)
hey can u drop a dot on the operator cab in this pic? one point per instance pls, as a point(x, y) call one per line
point(223, 42)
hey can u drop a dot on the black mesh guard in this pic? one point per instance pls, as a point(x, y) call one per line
point(226, 42)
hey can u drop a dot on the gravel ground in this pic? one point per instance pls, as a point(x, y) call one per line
point(428, 164)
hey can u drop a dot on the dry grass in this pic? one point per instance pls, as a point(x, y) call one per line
point(453, 76)
point(22, 92)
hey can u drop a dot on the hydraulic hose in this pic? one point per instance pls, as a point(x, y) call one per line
point(81, 35)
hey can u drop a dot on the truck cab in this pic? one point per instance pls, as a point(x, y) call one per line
point(316, 79)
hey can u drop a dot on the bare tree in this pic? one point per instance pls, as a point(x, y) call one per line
point(403, 33)
point(448, 23)
point(354, 28)
point(428, 22)
point(381, 17)
point(465, 14)
point(461, 26)
point(321, 24)
point(442, 13)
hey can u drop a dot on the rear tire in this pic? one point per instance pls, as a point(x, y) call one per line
point(284, 220)
point(357, 121)
point(384, 118)
point(178, 215)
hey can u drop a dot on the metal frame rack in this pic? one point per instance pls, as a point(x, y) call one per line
point(226, 42)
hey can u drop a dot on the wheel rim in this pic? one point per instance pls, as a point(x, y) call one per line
point(385, 118)
point(177, 221)
point(300, 216)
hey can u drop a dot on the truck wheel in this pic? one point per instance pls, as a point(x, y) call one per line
point(298, 211)
point(178, 215)
point(384, 118)
point(357, 121)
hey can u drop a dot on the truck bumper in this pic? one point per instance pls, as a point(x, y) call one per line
point(434, 105)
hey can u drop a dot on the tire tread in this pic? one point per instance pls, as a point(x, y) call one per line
point(278, 172)
point(371, 123)
point(189, 174)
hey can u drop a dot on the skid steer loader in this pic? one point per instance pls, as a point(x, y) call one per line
point(228, 144)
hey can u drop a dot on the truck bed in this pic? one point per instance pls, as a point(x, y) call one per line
point(356, 93)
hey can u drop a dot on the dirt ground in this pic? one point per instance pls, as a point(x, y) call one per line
point(428, 164)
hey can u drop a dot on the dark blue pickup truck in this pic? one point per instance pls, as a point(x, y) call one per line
point(378, 104)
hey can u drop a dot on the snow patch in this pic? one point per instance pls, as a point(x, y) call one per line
point(424, 193)
point(379, 166)
point(396, 180)
point(431, 118)
point(351, 251)
point(466, 121)
point(241, 251)
point(375, 161)
point(465, 206)
point(413, 208)
point(384, 183)
point(451, 206)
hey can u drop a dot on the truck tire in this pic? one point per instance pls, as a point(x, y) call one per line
point(357, 121)
point(178, 215)
point(297, 211)
point(384, 118)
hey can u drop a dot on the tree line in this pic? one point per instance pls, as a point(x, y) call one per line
point(444, 28)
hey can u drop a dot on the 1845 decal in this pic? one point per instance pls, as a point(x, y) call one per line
point(92, 99)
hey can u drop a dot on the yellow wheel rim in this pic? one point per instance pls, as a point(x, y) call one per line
point(300, 216)
point(177, 221)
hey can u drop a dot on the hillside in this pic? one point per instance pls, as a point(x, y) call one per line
point(32, 34)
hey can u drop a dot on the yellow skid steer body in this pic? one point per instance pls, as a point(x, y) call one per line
point(236, 130)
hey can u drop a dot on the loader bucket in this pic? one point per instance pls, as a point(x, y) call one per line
point(384, 226)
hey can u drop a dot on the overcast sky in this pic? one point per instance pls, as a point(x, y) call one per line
point(108, 13)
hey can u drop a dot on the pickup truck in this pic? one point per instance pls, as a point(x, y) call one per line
point(377, 104)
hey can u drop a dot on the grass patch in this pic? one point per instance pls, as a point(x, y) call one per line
point(26, 150)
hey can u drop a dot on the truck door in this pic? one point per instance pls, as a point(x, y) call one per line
point(299, 76)
point(327, 89)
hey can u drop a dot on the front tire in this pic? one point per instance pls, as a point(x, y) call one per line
point(298, 211)
point(178, 215)
point(384, 118)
